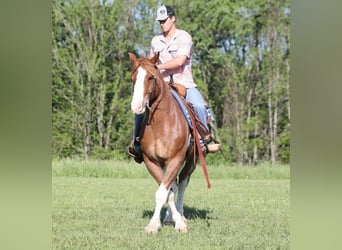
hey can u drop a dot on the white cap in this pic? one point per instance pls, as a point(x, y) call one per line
point(164, 12)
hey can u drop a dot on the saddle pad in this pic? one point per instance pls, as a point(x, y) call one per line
point(182, 106)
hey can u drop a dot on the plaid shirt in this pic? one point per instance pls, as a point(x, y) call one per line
point(180, 44)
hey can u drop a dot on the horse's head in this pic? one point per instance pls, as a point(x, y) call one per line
point(144, 74)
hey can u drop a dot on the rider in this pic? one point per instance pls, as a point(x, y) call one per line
point(175, 58)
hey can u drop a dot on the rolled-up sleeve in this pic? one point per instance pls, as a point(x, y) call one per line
point(185, 45)
point(152, 54)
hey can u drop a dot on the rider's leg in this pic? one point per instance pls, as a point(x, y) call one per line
point(195, 97)
point(137, 125)
point(134, 150)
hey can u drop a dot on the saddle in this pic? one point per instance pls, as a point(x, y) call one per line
point(189, 112)
point(179, 88)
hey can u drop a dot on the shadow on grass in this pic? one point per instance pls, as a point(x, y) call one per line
point(190, 213)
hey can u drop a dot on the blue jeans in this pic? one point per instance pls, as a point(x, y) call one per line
point(194, 96)
point(137, 124)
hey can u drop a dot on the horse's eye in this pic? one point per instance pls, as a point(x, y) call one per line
point(151, 78)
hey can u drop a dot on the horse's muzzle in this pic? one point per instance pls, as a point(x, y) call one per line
point(138, 109)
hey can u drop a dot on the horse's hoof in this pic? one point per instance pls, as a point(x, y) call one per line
point(169, 222)
point(150, 230)
point(183, 230)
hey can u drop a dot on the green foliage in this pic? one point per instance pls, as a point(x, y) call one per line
point(241, 52)
point(284, 148)
point(241, 65)
point(90, 88)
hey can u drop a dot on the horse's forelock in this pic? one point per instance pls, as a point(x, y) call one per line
point(135, 67)
point(148, 66)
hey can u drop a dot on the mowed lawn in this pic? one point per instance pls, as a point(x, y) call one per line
point(97, 206)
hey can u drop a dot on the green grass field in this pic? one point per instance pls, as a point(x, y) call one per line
point(106, 205)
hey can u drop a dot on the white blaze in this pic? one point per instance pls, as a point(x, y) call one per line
point(137, 104)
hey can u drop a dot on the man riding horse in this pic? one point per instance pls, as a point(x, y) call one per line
point(175, 57)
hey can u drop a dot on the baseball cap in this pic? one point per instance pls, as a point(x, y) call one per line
point(164, 12)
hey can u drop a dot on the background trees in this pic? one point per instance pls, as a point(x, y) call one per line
point(241, 64)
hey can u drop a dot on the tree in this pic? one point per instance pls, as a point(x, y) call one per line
point(241, 65)
point(242, 55)
point(90, 84)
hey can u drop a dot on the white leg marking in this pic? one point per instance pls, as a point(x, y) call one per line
point(176, 216)
point(168, 216)
point(161, 197)
point(137, 104)
point(180, 197)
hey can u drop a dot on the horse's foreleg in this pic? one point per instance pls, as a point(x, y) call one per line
point(168, 216)
point(176, 216)
point(179, 193)
point(161, 197)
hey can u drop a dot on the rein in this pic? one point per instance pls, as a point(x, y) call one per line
point(152, 107)
point(200, 153)
point(149, 94)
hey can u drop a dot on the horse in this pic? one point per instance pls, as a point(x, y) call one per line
point(165, 143)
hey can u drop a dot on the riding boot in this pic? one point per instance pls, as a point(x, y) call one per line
point(213, 147)
point(134, 150)
point(209, 147)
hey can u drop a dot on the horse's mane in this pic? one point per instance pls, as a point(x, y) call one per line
point(148, 66)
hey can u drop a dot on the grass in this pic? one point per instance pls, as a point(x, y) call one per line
point(106, 205)
point(131, 170)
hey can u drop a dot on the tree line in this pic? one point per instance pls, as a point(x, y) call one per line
point(241, 63)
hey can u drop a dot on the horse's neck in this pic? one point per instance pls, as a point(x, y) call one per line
point(164, 89)
point(165, 93)
point(164, 100)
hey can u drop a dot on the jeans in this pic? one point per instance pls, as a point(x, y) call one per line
point(137, 124)
point(194, 96)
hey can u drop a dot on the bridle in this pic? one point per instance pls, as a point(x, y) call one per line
point(151, 107)
point(147, 98)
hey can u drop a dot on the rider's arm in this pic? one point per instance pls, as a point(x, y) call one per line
point(174, 63)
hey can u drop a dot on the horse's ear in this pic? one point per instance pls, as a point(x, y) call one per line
point(132, 57)
point(154, 59)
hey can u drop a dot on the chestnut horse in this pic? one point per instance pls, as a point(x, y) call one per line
point(164, 142)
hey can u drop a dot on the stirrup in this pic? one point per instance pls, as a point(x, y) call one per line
point(134, 151)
